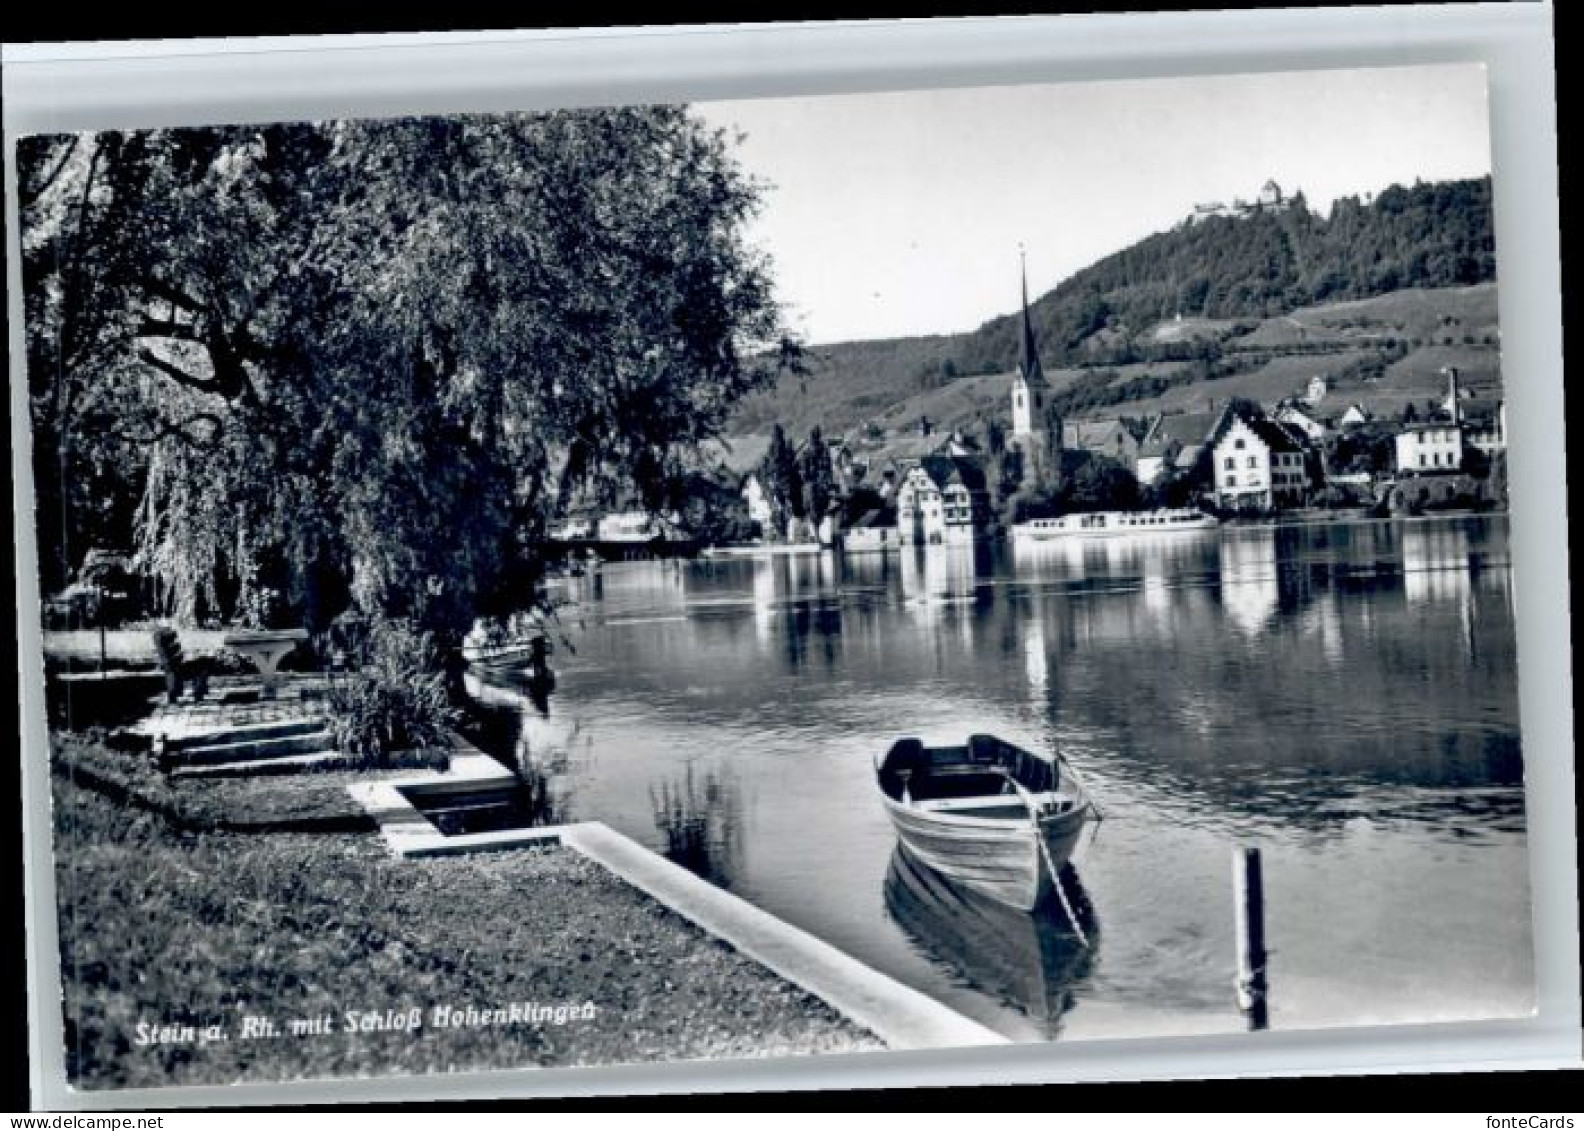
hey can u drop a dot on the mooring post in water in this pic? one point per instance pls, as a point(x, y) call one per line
point(1248, 897)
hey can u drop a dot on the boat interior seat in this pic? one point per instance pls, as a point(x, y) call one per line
point(955, 784)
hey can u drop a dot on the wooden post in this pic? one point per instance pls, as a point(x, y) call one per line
point(1248, 897)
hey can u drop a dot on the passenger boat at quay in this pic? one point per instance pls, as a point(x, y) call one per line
point(1113, 524)
point(763, 549)
point(996, 818)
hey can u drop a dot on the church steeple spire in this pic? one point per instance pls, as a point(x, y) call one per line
point(1030, 365)
point(1028, 386)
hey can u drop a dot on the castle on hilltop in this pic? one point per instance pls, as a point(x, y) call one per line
point(1270, 199)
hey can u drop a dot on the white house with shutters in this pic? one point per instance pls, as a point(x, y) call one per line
point(940, 500)
point(1425, 449)
point(1259, 464)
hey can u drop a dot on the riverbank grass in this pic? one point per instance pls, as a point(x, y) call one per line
point(215, 957)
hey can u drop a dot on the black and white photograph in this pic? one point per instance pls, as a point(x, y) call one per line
point(929, 569)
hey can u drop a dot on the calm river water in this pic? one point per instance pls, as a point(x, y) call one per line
point(1343, 697)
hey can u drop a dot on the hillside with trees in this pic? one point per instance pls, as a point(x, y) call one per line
point(1214, 298)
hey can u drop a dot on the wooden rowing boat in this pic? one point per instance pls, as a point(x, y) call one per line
point(996, 818)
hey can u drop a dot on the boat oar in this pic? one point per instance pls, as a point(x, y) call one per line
point(1039, 838)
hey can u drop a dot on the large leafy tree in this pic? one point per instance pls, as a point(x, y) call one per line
point(818, 476)
point(782, 479)
point(375, 358)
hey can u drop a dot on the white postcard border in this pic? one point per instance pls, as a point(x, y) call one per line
point(98, 86)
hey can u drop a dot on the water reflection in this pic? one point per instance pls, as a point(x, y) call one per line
point(1345, 696)
point(934, 578)
point(1032, 960)
point(765, 595)
point(1179, 554)
point(510, 718)
point(700, 822)
point(1250, 579)
point(1436, 563)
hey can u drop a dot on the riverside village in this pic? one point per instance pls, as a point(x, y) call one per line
point(515, 593)
point(1311, 454)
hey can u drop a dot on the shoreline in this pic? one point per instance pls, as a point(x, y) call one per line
point(272, 933)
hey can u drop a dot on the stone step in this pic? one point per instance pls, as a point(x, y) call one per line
point(288, 764)
point(245, 732)
point(250, 750)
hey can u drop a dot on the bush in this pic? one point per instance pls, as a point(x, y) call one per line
point(1332, 497)
point(167, 646)
point(395, 700)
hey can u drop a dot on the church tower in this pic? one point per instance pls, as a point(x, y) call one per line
point(1028, 386)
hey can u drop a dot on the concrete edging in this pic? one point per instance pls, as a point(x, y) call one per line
point(900, 1016)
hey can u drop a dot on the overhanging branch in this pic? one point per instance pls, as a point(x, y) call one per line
point(177, 373)
point(168, 328)
point(179, 429)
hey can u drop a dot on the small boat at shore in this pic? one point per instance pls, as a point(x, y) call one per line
point(1113, 524)
point(498, 657)
point(996, 818)
point(523, 653)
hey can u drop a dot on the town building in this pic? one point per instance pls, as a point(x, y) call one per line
point(887, 485)
point(872, 532)
point(1430, 448)
point(638, 526)
point(1353, 416)
point(758, 503)
point(1259, 465)
point(1316, 390)
point(1110, 438)
point(1435, 446)
point(1355, 480)
point(1173, 443)
point(573, 530)
point(942, 499)
point(1482, 419)
point(1294, 417)
point(1485, 425)
point(1156, 455)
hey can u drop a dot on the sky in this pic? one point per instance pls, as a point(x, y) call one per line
point(902, 213)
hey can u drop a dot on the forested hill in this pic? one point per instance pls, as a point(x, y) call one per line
point(1266, 263)
point(1263, 263)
